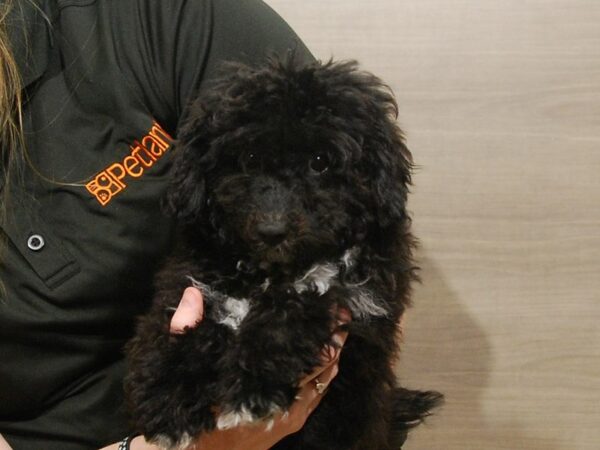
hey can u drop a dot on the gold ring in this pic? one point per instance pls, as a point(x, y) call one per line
point(320, 387)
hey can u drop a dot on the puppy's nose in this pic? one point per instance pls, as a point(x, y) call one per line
point(272, 232)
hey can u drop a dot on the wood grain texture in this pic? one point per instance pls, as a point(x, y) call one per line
point(501, 104)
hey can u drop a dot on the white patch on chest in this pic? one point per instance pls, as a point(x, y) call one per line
point(319, 277)
point(363, 303)
point(226, 310)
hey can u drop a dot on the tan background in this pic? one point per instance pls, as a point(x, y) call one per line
point(500, 100)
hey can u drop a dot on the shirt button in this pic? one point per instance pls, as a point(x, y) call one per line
point(35, 242)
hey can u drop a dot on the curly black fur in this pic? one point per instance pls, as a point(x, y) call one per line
point(290, 184)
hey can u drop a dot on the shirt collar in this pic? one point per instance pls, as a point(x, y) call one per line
point(30, 35)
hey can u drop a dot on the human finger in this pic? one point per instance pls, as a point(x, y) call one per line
point(320, 383)
point(310, 395)
point(329, 356)
point(307, 400)
point(189, 312)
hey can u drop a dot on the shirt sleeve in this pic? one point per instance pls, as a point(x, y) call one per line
point(181, 44)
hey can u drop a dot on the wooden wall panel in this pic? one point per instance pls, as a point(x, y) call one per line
point(501, 104)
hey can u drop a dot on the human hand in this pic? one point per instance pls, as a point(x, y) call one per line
point(261, 436)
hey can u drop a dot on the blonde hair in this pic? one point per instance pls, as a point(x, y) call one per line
point(11, 118)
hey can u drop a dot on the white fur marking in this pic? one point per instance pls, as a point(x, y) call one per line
point(318, 277)
point(270, 424)
point(233, 419)
point(265, 284)
point(166, 443)
point(349, 257)
point(205, 288)
point(229, 311)
point(237, 309)
point(363, 304)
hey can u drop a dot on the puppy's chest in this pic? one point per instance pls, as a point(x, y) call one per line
point(317, 291)
point(240, 309)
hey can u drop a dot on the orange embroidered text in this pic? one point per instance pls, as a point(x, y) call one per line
point(144, 153)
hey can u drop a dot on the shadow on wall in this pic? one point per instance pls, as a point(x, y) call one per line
point(446, 350)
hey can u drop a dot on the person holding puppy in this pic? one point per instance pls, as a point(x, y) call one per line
point(91, 93)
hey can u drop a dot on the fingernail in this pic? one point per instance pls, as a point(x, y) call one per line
point(338, 339)
point(330, 352)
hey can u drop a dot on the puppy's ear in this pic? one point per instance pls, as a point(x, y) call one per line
point(391, 167)
point(387, 159)
point(369, 110)
point(186, 195)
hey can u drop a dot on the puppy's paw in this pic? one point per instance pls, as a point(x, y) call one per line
point(165, 442)
point(248, 415)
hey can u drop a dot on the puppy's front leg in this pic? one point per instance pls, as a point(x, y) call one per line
point(277, 344)
point(171, 382)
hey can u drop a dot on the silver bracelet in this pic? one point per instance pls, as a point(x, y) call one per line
point(125, 443)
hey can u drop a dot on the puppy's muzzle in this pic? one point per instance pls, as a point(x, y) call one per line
point(273, 202)
point(272, 230)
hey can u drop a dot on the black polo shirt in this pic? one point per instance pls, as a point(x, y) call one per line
point(106, 82)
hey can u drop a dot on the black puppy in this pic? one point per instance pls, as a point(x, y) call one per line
point(290, 185)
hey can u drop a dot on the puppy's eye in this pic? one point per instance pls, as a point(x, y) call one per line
point(250, 160)
point(319, 163)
